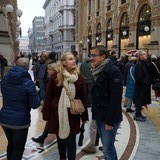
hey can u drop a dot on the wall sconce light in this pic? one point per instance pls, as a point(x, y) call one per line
point(18, 23)
point(97, 38)
point(124, 33)
point(9, 8)
point(146, 28)
point(81, 42)
point(88, 40)
point(19, 12)
point(18, 29)
point(5, 9)
point(109, 35)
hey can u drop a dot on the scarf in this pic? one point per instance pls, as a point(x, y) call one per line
point(67, 94)
point(98, 69)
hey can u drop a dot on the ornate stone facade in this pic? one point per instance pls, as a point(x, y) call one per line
point(8, 43)
point(124, 25)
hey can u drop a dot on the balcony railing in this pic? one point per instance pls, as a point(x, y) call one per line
point(65, 27)
point(67, 7)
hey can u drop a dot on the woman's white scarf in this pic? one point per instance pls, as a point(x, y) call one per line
point(64, 103)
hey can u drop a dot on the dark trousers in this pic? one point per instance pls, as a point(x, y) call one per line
point(89, 89)
point(138, 111)
point(16, 142)
point(68, 146)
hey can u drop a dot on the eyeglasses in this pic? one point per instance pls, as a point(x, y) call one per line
point(94, 55)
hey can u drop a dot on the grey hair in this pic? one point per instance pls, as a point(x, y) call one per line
point(23, 62)
point(52, 66)
point(139, 53)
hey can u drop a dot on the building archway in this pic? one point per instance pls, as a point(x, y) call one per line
point(123, 34)
point(109, 34)
point(98, 34)
point(6, 47)
point(89, 39)
point(143, 35)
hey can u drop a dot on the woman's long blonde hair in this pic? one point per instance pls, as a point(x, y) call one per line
point(61, 67)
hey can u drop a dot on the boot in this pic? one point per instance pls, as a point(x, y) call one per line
point(38, 140)
point(89, 149)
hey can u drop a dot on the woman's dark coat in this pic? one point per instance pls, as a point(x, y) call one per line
point(142, 85)
point(107, 95)
point(50, 109)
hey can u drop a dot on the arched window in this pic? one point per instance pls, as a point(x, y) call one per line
point(125, 20)
point(98, 7)
point(124, 28)
point(109, 5)
point(123, 1)
point(109, 24)
point(89, 40)
point(109, 34)
point(89, 7)
point(123, 34)
point(98, 33)
point(144, 22)
point(109, 30)
point(145, 13)
point(144, 28)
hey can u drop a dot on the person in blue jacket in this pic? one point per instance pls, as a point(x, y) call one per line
point(106, 99)
point(19, 96)
point(130, 88)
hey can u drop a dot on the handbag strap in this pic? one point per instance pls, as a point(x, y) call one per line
point(156, 67)
point(132, 74)
point(67, 92)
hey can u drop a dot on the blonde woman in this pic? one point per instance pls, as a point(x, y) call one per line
point(57, 105)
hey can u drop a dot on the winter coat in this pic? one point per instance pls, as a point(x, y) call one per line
point(126, 69)
point(142, 85)
point(85, 70)
point(153, 72)
point(50, 109)
point(107, 95)
point(40, 70)
point(19, 96)
point(130, 85)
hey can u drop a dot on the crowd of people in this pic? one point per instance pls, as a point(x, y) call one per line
point(98, 83)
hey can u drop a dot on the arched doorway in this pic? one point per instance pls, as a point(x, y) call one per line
point(123, 34)
point(109, 34)
point(98, 34)
point(89, 40)
point(144, 28)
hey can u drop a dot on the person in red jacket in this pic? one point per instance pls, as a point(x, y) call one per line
point(57, 105)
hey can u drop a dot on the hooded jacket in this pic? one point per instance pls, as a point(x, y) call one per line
point(19, 96)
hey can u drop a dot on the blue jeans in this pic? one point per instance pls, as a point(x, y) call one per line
point(108, 139)
point(129, 103)
point(16, 142)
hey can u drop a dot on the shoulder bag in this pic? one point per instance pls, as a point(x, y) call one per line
point(77, 106)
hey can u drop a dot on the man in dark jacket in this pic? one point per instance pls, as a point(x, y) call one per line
point(142, 85)
point(40, 73)
point(106, 99)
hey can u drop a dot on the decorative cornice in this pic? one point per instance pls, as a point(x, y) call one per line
point(124, 7)
point(140, 1)
point(109, 14)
